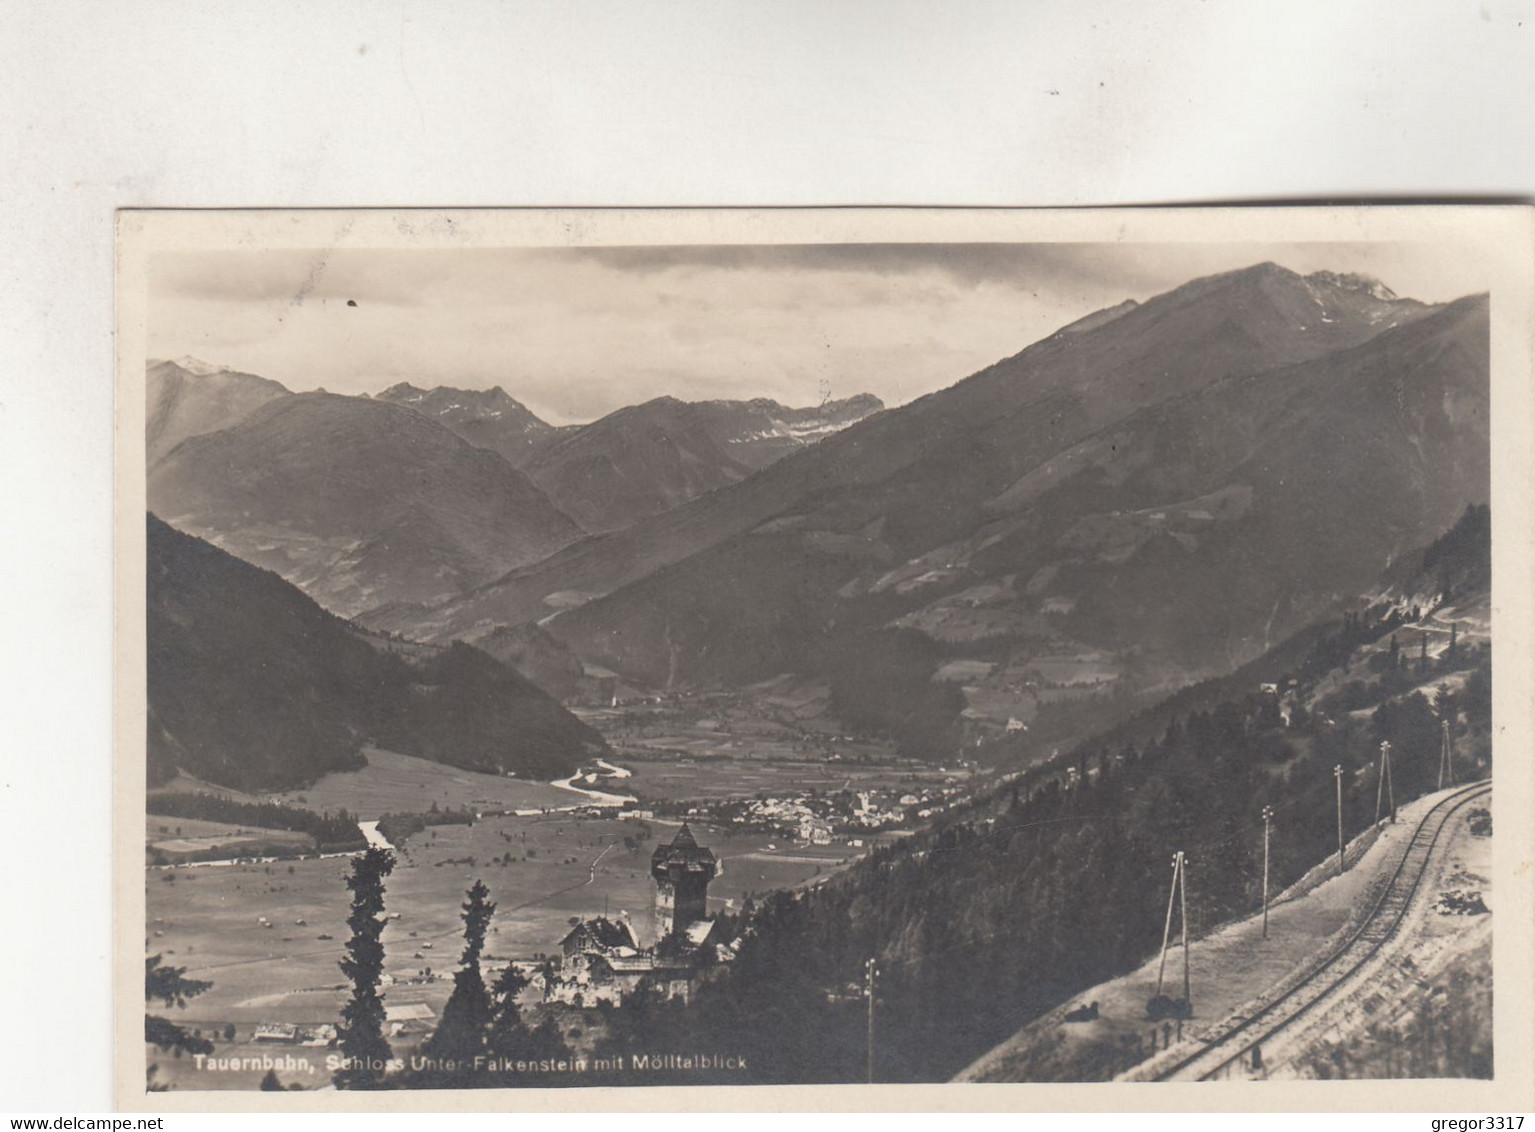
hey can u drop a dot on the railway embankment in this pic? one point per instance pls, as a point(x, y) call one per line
point(1233, 973)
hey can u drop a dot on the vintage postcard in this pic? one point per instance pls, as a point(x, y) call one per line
point(948, 659)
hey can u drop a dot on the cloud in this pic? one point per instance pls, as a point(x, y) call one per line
point(290, 276)
point(969, 265)
point(577, 332)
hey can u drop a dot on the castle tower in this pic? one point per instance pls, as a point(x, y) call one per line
point(682, 871)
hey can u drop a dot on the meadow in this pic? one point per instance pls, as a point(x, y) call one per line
point(207, 841)
point(255, 931)
point(268, 936)
point(395, 783)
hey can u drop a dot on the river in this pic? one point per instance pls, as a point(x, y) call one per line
point(374, 837)
point(598, 797)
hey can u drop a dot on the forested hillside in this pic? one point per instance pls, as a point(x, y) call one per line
point(1058, 880)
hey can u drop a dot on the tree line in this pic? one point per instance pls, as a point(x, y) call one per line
point(333, 832)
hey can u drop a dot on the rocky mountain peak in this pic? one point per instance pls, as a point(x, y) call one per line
point(1351, 281)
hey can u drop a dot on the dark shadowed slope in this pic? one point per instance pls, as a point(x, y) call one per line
point(181, 402)
point(529, 650)
point(254, 686)
point(357, 502)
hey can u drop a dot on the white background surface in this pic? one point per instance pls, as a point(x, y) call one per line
point(105, 106)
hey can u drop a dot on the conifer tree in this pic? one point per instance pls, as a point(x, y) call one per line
point(362, 1018)
point(460, 1038)
point(507, 1037)
point(170, 986)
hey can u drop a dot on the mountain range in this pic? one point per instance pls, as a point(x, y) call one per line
point(639, 460)
point(1158, 491)
point(370, 502)
point(649, 458)
point(358, 502)
point(252, 685)
point(1149, 496)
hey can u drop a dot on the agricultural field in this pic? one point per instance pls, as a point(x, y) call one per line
point(160, 828)
point(183, 839)
point(268, 935)
point(778, 719)
point(707, 737)
point(717, 746)
point(255, 931)
point(395, 783)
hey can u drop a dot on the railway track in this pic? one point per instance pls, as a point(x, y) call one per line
point(1229, 1048)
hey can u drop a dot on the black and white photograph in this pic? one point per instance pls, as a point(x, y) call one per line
point(813, 654)
point(768, 562)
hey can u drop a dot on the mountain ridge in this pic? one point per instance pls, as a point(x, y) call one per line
point(487, 418)
point(645, 459)
point(357, 501)
point(1178, 533)
point(181, 403)
point(1003, 420)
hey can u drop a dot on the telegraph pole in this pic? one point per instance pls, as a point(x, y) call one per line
point(1446, 757)
point(1380, 781)
point(1183, 890)
point(871, 974)
point(1337, 773)
point(1268, 817)
point(1383, 784)
point(1167, 926)
point(1385, 752)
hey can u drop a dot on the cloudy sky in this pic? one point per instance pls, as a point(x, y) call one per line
point(577, 332)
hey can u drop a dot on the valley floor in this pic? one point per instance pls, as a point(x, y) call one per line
point(268, 934)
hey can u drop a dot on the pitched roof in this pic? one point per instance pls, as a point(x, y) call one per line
point(684, 850)
point(408, 1012)
point(600, 932)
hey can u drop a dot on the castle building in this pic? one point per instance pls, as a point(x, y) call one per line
point(602, 959)
point(602, 962)
point(682, 872)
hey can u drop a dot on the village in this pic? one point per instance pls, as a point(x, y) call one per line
point(769, 759)
point(820, 818)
